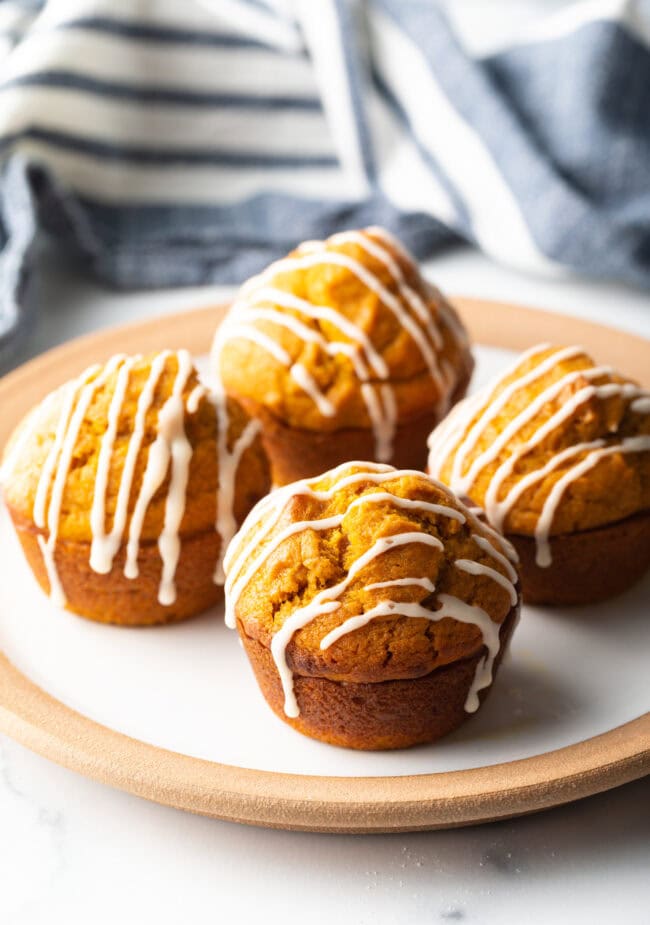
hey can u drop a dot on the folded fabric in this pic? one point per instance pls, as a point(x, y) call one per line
point(176, 143)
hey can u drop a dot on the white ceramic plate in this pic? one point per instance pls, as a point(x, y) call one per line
point(572, 674)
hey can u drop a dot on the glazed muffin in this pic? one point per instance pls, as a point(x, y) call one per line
point(343, 351)
point(125, 485)
point(557, 452)
point(373, 606)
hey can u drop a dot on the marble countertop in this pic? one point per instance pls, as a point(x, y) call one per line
point(75, 851)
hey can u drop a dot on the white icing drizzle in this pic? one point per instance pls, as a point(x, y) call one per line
point(444, 310)
point(414, 316)
point(298, 372)
point(195, 397)
point(451, 607)
point(492, 408)
point(415, 301)
point(338, 320)
point(104, 546)
point(228, 465)
point(477, 517)
point(641, 405)
point(171, 426)
point(307, 382)
point(80, 395)
point(70, 392)
point(467, 613)
point(455, 424)
point(383, 609)
point(497, 510)
point(425, 583)
point(409, 504)
point(475, 568)
point(382, 411)
point(232, 329)
point(366, 361)
point(488, 548)
point(102, 550)
point(225, 523)
point(500, 509)
point(465, 482)
point(629, 445)
point(281, 640)
point(170, 448)
point(385, 543)
point(457, 437)
point(241, 563)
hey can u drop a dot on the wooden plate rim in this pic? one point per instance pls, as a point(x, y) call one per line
point(304, 802)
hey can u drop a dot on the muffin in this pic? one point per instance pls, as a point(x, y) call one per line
point(125, 485)
point(557, 452)
point(343, 351)
point(373, 605)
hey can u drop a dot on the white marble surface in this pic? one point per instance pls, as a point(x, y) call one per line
point(77, 852)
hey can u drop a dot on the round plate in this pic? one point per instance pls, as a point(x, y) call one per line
point(302, 801)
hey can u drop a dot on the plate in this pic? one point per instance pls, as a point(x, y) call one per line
point(174, 715)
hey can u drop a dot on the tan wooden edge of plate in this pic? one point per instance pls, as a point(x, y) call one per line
point(294, 801)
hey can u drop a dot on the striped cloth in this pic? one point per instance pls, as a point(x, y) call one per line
point(172, 143)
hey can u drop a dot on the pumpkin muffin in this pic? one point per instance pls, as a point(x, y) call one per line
point(125, 485)
point(373, 606)
point(557, 452)
point(343, 351)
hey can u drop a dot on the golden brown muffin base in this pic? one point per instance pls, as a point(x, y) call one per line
point(381, 715)
point(587, 566)
point(299, 454)
point(113, 598)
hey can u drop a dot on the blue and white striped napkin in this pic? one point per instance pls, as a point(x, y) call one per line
point(170, 143)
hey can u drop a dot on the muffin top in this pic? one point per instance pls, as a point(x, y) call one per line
point(134, 451)
point(367, 574)
point(343, 333)
point(555, 445)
